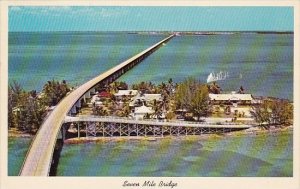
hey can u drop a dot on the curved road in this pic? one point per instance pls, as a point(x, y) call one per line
point(39, 156)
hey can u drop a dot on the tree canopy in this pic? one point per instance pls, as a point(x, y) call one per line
point(26, 110)
point(193, 96)
point(275, 112)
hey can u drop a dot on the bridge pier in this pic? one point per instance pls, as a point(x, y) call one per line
point(63, 133)
point(73, 110)
point(111, 129)
point(78, 131)
point(87, 95)
point(92, 91)
point(78, 103)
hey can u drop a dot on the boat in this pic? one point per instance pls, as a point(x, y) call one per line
point(217, 76)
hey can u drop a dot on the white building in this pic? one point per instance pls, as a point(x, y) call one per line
point(96, 100)
point(145, 98)
point(149, 97)
point(140, 112)
point(234, 98)
point(121, 93)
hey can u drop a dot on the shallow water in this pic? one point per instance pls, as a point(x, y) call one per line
point(269, 155)
point(266, 155)
point(17, 149)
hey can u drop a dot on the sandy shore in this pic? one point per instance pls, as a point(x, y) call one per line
point(16, 133)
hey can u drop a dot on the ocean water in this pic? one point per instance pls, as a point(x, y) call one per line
point(17, 149)
point(35, 58)
point(268, 155)
point(262, 63)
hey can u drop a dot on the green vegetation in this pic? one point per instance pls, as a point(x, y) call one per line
point(192, 96)
point(273, 112)
point(214, 88)
point(26, 110)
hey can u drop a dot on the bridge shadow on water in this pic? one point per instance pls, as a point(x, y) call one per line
point(56, 156)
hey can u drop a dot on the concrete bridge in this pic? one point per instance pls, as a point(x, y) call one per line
point(109, 126)
point(39, 156)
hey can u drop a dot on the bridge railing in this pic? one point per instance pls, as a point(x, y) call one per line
point(126, 119)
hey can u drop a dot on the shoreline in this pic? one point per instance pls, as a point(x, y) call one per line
point(248, 132)
point(254, 131)
point(15, 133)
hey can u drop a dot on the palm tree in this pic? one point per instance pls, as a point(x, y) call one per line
point(241, 90)
point(100, 111)
point(125, 111)
point(157, 109)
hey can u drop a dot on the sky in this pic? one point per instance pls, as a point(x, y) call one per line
point(84, 18)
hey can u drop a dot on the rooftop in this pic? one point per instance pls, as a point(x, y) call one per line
point(126, 92)
point(143, 110)
point(234, 96)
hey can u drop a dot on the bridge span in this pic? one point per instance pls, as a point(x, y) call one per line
point(39, 156)
point(109, 126)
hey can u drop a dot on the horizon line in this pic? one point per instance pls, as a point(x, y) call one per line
point(173, 31)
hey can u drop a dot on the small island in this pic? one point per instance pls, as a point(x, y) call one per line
point(188, 101)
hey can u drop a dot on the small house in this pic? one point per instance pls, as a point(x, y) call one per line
point(125, 93)
point(140, 112)
point(231, 98)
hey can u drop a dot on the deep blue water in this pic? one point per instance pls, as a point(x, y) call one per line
point(262, 63)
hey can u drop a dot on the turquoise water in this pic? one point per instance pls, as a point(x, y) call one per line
point(269, 155)
point(262, 63)
point(17, 149)
point(35, 58)
point(265, 62)
point(259, 156)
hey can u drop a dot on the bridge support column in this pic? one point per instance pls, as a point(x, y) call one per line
point(87, 95)
point(78, 131)
point(73, 110)
point(92, 90)
point(84, 99)
point(103, 130)
point(86, 129)
point(78, 103)
point(63, 134)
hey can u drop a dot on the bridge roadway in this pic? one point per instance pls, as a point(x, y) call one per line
point(111, 119)
point(39, 156)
